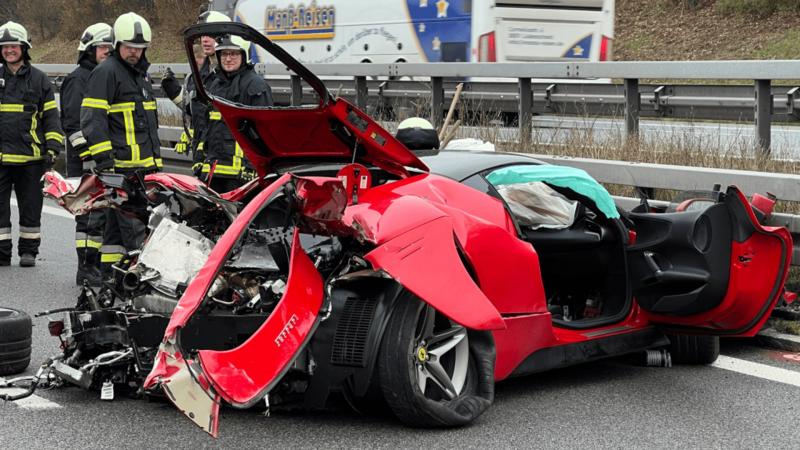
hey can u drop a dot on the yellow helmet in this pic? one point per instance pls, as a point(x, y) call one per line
point(12, 33)
point(96, 35)
point(132, 30)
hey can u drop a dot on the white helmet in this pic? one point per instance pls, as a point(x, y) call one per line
point(12, 33)
point(96, 35)
point(229, 42)
point(132, 30)
point(213, 16)
point(417, 133)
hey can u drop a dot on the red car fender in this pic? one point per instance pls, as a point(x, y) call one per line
point(241, 376)
point(425, 261)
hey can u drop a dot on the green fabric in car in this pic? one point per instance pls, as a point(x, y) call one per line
point(571, 178)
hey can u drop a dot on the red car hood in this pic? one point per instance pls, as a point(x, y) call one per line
point(331, 131)
point(296, 135)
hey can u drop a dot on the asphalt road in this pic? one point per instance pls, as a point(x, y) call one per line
point(610, 404)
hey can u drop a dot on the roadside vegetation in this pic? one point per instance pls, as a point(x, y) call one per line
point(56, 25)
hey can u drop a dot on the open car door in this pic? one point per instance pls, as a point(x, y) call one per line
point(709, 271)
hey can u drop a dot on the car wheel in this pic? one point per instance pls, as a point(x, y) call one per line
point(15, 341)
point(693, 349)
point(432, 371)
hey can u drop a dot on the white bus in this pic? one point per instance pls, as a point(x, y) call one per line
point(388, 31)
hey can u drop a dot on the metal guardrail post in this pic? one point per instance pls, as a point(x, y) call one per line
point(437, 101)
point(525, 109)
point(763, 115)
point(362, 92)
point(297, 91)
point(633, 106)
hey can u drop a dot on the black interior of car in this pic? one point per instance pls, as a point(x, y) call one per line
point(583, 270)
point(680, 263)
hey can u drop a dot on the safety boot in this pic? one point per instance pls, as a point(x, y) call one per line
point(27, 260)
point(89, 274)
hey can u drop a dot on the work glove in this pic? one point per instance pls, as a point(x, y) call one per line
point(170, 85)
point(182, 147)
point(49, 160)
point(247, 174)
point(197, 170)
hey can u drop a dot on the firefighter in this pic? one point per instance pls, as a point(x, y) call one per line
point(119, 121)
point(224, 166)
point(185, 143)
point(186, 97)
point(93, 48)
point(30, 140)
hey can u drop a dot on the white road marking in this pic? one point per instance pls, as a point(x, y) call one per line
point(34, 402)
point(52, 210)
point(764, 371)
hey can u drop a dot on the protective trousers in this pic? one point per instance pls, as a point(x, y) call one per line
point(88, 240)
point(122, 234)
point(26, 182)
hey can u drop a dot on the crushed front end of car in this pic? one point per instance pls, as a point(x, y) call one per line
point(110, 337)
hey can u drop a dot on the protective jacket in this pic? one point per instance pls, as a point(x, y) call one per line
point(73, 90)
point(119, 117)
point(221, 152)
point(29, 125)
point(195, 108)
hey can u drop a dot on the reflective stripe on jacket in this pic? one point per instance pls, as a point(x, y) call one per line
point(119, 116)
point(29, 125)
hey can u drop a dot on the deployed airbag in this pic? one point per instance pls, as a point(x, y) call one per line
point(576, 180)
point(536, 205)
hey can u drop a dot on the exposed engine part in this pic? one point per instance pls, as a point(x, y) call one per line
point(155, 303)
point(658, 358)
point(172, 256)
point(72, 375)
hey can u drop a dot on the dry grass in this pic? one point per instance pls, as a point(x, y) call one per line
point(786, 326)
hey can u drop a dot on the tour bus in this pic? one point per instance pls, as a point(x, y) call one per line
point(388, 31)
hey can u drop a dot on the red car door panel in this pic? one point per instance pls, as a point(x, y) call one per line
point(715, 271)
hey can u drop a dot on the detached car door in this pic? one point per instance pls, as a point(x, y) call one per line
point(711, 271)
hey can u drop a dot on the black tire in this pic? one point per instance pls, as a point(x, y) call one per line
point(697, 350)
point(398, 365)
point(15, 341)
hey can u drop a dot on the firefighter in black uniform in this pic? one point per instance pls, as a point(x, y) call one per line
point(119, 121)
point(224, 166)
point(93, 48)
point(185, 97)
point(30, 140)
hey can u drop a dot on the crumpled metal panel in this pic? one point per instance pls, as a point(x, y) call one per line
point(76, 196)
point(426, 262)
point(184, 388)
point(176, 253)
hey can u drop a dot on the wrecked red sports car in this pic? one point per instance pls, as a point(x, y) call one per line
point(429, 289)
point(358, 267)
